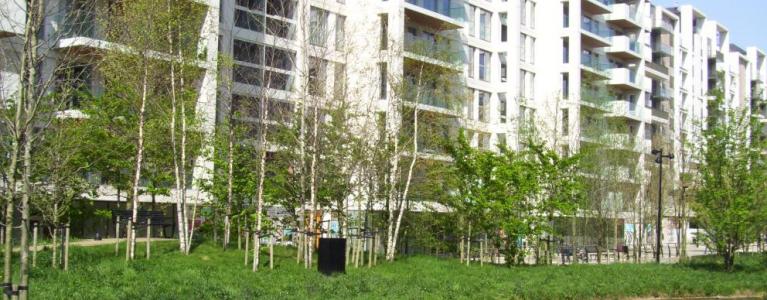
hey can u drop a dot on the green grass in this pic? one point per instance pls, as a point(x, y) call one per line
point(211, 273)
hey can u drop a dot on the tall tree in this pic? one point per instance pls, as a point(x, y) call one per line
point(729, 204)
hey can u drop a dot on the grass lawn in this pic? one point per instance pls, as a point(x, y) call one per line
point(211, 273)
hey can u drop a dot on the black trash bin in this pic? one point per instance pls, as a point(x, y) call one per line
point(331, 256)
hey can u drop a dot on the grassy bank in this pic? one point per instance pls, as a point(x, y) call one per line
point(211, 273)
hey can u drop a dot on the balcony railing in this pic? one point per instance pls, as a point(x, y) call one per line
point(659, 113)
point(624, 76)
point(665, 25)
point(624, 11)
point(440, 50)
point(624, 43)
point(595, 63)
point(598, 28)
point(662, 93)
point(448, 8)
point(663, 48)
point(596, 97)
point(428, 97)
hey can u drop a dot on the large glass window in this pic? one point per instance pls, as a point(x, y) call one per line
point(485, 25)
point(484, 65)
point(318, 26)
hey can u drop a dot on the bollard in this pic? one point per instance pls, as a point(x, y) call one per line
point(117, 236)
point(148, 236)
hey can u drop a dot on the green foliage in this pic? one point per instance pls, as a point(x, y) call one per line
point(518, 193)
point(730, 201)
point(211, 273)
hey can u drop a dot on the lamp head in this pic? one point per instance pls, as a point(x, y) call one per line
point(655, 152)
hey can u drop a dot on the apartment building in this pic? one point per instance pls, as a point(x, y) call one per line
point(548, 64)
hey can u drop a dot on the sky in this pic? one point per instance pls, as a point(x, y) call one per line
point(746, 19)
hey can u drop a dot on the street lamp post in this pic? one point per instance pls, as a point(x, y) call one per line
point(659, 160)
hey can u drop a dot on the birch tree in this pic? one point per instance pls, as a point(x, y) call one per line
point(37, 71)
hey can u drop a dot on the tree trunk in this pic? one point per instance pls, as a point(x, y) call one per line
point(21, 128)
point(261, 175)
point(139, 158)
point(271, 252)
point(229, 182)
point(178, 169)
point(247, 245)
point(34, 245)
point(313, 182)
point(54, 247)
point(468, 247)
point(66, 247)
point(25, 194)
point(403, 199)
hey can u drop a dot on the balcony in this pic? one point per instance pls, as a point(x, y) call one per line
point(625, 48)
point(595, 65)
point(625, 16)
point(622, 141)
point(595, 34)
point(664, 25)
point(660, 113)
point(625, 109)
point(662, 93)
point(441, 15)
point(658, 68)
point(662, 49)
point(430, 51)
point(431, 100)
point(596, 7)
point(597, 99)
point(624, 78)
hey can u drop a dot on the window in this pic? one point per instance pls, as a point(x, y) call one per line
point(247, 75)
point(482, 104)
point(317, 74)
point(248, 52)
point(532, 14)
point(504, 67)
point(278, 58)
point(263, 20)
point(470, 19)
point(470, 104)
point(565, 50)
point(565, 122)
point(522, 47)
point(340, 32)
point(485, 25)
point(384, 19)
point(531, 51)
point(504, 27)
point(565, 15)
point(339, 81)
point(502, 109)
point(565, 86)
point(318, 26)
point(249, 21)
point(523, 12)
point(470, 55)
point(522, 76)
point(382, 78)
point(252, 4)
point(280, 8)
point(484, 65)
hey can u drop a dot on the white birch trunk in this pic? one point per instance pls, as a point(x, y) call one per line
point(139, 158)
